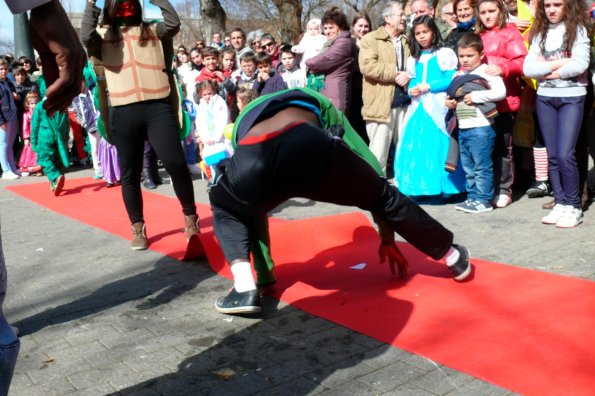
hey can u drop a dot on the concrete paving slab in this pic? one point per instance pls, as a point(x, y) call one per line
point(98, 318)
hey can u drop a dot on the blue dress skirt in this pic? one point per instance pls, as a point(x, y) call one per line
point(421, 154)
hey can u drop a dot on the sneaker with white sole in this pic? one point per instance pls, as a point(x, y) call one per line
point(465, 206)
point(570, 218)
point(539, 189)
point(247, 302)
point(480, 207)
point(554, 215)
point(462, 268)
point(10, 175)
point(502, 201)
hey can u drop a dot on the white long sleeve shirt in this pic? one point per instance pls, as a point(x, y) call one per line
point(211, 119)
point(573, 75)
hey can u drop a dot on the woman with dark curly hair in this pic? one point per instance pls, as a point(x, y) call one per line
point(336, 60)
point(558, 58)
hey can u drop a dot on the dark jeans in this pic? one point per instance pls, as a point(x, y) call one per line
point(132, 125)
point(502, 155)
point(304, 161)
point(560, 122)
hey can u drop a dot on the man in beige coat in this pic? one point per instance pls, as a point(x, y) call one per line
point(382, 59)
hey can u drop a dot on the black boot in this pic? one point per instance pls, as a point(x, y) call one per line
point(147, 180)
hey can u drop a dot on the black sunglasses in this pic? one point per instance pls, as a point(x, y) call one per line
point(267, 45)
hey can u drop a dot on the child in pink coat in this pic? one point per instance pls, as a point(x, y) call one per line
point(28, 161)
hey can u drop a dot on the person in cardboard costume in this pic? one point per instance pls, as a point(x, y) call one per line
point(143, 100)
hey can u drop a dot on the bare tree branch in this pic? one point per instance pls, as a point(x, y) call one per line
point(290, 12)
point(213, 17)
point(6, 45)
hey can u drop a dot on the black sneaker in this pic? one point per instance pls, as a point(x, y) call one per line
point(539, 189)
point(239, 303)
point(462, 268)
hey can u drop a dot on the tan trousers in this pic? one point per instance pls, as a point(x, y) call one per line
point(381, 135)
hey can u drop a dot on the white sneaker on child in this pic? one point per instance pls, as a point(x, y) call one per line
point(570, 218)
point(502, 201)
point(9, 176)
point(554, 215)
point(25, 173)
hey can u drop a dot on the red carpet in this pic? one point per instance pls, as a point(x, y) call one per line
point(90, 202)
point(527, 331)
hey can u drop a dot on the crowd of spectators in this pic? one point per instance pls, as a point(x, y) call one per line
point(366, 70)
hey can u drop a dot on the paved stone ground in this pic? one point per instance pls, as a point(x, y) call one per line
point(97, 318)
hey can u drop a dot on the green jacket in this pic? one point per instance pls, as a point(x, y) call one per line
point(329, 116)
point(50, 133)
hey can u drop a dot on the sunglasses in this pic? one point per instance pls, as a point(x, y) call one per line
point(267, 45)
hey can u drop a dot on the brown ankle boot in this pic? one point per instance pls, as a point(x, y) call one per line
point(192, 225)
point(139, 236)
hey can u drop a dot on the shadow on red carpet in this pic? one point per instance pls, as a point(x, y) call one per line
point(524, 330)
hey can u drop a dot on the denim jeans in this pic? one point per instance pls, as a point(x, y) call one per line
point(190, 149)
point(476, 146)
point(560, 122)
point(7, 138)
point(9, 343)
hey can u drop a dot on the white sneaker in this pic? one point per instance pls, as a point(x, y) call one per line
point(194, 169)
point(9, 176)
point(502, 201)
point(570, 218)
point(555, 214)
point(25, 173)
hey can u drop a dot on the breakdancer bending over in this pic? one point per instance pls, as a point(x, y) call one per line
point(294, 143)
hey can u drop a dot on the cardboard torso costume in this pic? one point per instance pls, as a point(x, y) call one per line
point(128, 73)
point(133, 73)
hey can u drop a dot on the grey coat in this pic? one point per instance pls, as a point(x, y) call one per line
point(336, 62)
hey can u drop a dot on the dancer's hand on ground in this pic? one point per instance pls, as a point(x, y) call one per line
point(394, 255)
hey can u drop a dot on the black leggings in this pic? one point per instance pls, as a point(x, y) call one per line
point(153, 120)
point(306, 162)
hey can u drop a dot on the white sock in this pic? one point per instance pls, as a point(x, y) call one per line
point(452, 256)
point(242, 276)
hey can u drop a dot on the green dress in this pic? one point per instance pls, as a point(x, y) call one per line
point(49, 139)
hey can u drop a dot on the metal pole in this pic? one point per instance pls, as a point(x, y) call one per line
point(22, 42)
